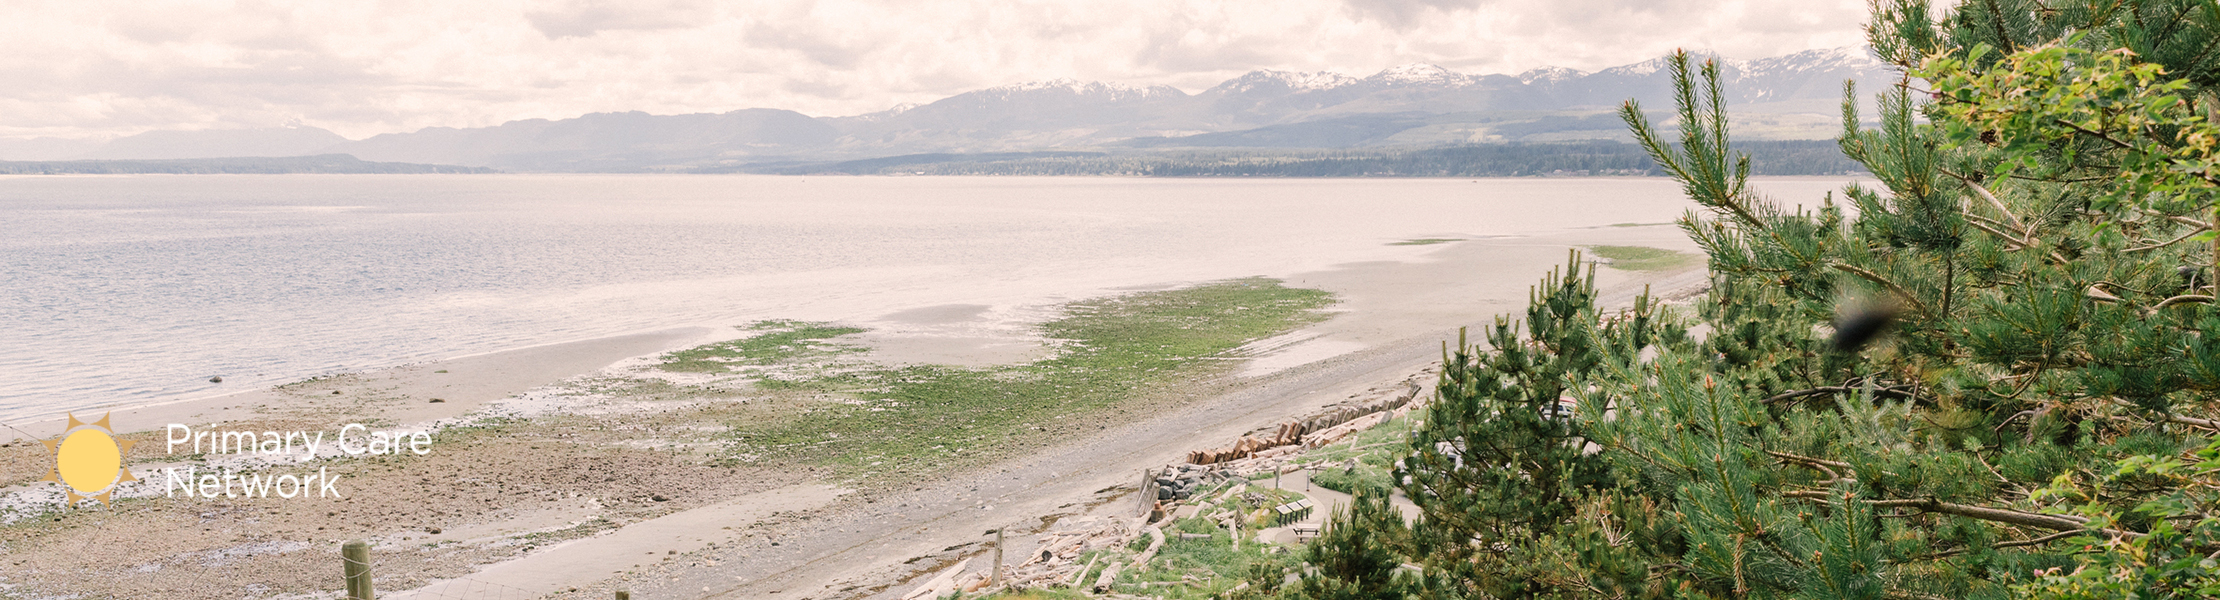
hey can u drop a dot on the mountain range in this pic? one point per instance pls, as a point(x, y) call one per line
point(1796, 96)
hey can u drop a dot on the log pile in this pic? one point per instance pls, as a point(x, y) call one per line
point(1305, 432)
point(1054, 563)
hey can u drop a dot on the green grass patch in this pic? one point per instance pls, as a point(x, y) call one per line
point(1365, 475)
point(1110, 352)
point(1424, 241)
point(1039, 594)
point(1364, 460)
point(1203, 567)
point(774, 342)
point(1642, 258)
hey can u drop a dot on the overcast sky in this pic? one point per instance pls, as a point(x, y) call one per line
point(100, 67)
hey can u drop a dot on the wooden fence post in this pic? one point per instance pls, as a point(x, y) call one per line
point(356, 556)
point(1148, 492)
point(996, 578)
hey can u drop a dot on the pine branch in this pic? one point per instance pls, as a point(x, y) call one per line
point(1983, 192)
point(2001, 515)
point(2174, 418)
point(2182, 299)
point(1984, 224)
point(1996, 515)
point(2041, 540)
point(1823, 466)
point(2011, 544)
point(1901, 293)
point(1829, 389)
point(2096, 134)
point(2192, 233)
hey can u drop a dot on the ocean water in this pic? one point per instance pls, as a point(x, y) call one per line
point(124, 290)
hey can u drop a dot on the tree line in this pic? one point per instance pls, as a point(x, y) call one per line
point(1567, 159)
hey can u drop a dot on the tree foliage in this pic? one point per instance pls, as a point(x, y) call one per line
point(2033, 419)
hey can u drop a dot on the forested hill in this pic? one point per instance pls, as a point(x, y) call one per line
point(1574, 159)
point(323, 163)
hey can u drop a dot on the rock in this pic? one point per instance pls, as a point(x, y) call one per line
point(437, 400)
point(432, 530)
point(216, 379)
point(662, 498)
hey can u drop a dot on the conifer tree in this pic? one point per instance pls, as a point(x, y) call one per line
point(1360, 554)
point(1499, 460)
point(2034, 418)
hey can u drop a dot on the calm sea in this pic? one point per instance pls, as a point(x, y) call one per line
point(121, 290)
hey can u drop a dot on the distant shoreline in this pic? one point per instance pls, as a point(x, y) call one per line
point(338, 164)
point(1556, 159)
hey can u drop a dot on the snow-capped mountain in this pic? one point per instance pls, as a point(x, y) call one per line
point(1269, 81)
point(1790, 96)
point(1420, 74)
point(1419, 95)
point(1549, 75)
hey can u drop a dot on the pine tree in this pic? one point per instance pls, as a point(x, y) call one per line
point(1360, 554)
point(1499, 458)
point(1989, 376)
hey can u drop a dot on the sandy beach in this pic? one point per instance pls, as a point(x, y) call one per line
point(570, 470)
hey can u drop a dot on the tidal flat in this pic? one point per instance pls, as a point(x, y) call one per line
point(788, 403)
point(829, 444)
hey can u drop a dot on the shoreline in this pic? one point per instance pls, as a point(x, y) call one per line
point(1367, 339)
point(513, 369)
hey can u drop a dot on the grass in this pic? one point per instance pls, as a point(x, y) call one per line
point(1040, 594)
point(1112, 353)
point(1209, 567)
point(1642, 258)
point(1213, 563)
point(775, 341)
point(1424, 241)
point(1374, 452)
point(1195, 569)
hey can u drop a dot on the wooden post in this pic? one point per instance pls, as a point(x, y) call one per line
point(356, 556)
point(624, 595)
point(1148, 492)
point(995, 578)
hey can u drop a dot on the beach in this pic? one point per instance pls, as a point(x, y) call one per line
point(573, 469)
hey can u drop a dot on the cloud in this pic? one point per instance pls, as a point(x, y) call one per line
point(1403, 15)
point(115, 67)
point(584, 18)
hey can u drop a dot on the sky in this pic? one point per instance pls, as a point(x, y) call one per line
point(98, 68)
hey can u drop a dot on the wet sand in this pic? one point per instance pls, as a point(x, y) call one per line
point(519, 506)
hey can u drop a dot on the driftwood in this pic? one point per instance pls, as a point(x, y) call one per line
point(940, 584)
point(1298, 432)
point(1109, 577)
point(1156, 542)
point(1054, 562)
point(1075, 577)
